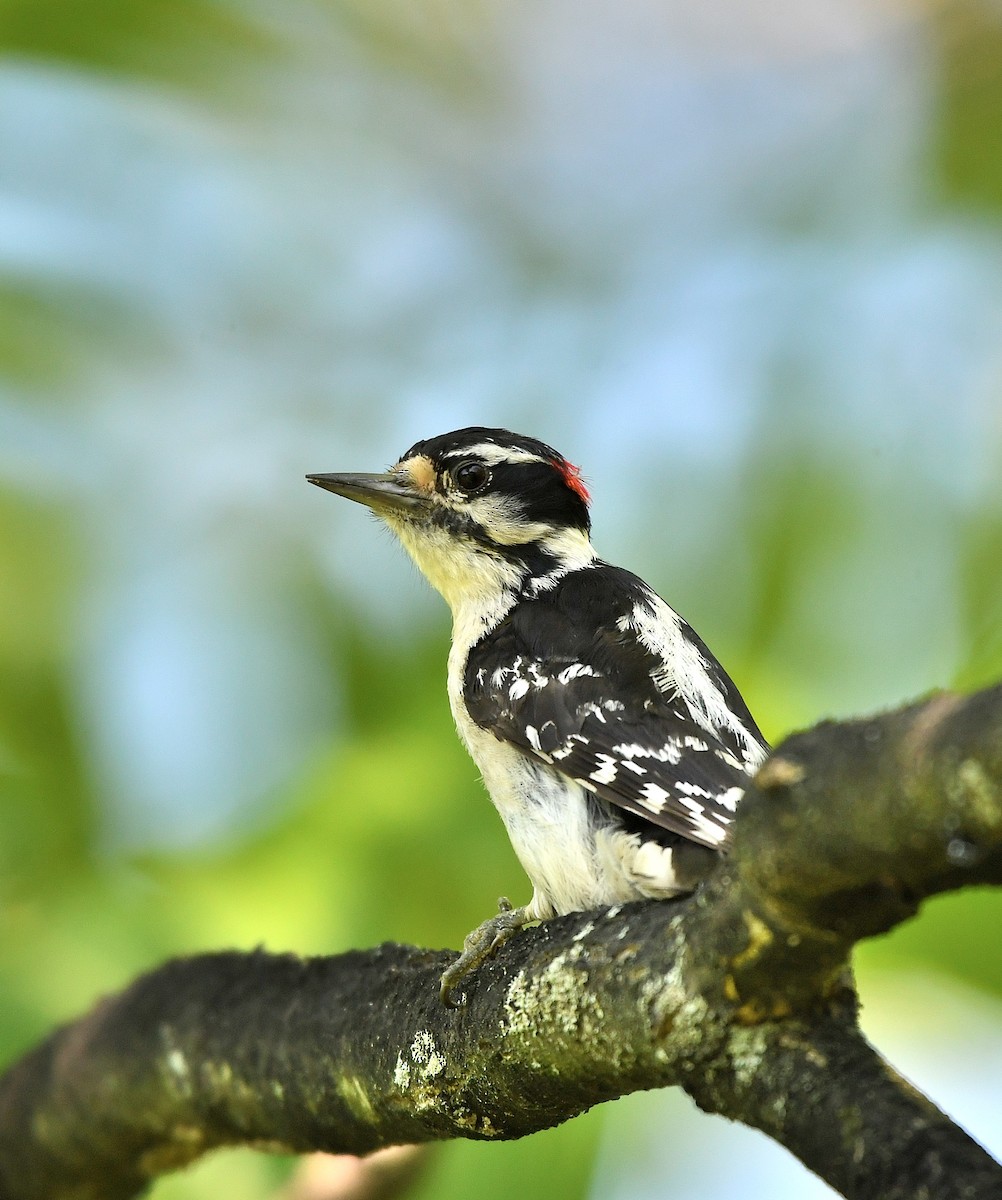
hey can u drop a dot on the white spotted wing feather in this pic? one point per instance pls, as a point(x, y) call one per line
point(635, 709)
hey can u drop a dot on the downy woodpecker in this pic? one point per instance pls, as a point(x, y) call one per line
point(611, 741)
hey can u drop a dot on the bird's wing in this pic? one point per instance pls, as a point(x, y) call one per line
point(597, 707)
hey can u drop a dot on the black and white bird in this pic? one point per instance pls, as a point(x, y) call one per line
point(612, 743)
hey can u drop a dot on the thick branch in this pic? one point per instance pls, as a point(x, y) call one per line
point(851, 826)
point(740, 994)
point(822, 1091)
point(884, 812)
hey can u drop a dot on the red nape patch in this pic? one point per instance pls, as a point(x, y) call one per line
point(572, 477)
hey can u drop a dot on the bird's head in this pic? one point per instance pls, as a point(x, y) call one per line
point(479, 510)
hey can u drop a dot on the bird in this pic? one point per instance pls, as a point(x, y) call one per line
point(612, 743)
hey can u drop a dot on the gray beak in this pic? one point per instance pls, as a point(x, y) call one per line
point(382, 493)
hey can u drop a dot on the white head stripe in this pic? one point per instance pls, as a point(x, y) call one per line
point(492, 454)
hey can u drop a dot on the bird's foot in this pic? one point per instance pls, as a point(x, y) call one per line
point(480, 944)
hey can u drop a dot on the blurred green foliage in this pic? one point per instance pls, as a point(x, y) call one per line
point(177, 41)
point(981, 597)
point(385, 833)
point(970, 116)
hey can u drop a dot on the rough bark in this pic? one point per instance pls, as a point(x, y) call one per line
point(741, 994)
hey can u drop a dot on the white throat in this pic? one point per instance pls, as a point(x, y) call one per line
point(481, 586)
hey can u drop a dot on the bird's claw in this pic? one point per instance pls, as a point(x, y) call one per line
point(479, 945)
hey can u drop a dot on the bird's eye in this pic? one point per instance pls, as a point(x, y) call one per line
point(471, 477)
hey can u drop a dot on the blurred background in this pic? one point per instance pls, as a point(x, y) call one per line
point(741, 260)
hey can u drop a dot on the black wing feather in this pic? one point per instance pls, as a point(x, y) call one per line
point(559, 679)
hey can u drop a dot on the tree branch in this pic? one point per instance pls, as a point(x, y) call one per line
point(741, 994)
